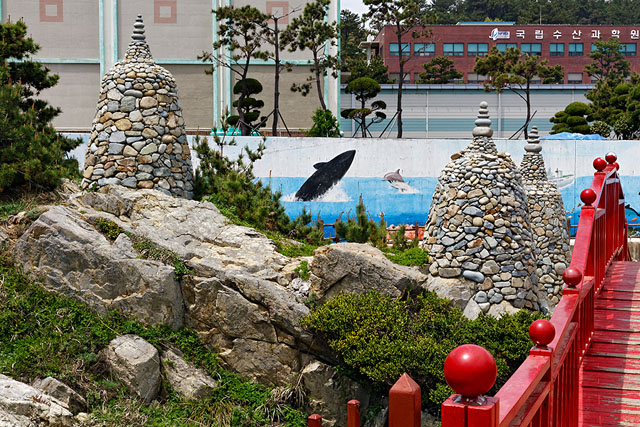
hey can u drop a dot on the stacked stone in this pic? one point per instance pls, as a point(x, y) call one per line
point(138, 138)
point(478, 227)
point(548, 220)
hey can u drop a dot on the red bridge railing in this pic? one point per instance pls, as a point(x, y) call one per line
point(544, 389)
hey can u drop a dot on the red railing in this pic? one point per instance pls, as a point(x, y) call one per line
point(544, 390)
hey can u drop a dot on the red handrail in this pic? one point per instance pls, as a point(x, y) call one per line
point(544, 390)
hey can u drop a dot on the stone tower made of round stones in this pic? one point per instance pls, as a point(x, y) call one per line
point(138, 138)
point(478, 227)
point(548, 220)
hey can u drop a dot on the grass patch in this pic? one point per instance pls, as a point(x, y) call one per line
point(45, 334)
point(303, 270)
point(409, 257)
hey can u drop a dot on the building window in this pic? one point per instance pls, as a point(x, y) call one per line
point(477, 49)
point(395, 77)
point(502, 47)
point(556, 49)
point(424, 49)
point(453, 49)
point(531, 49)
point(576, 49)
point(574, 78)
point(628, 49)
point(394, 51)
point(476, 78)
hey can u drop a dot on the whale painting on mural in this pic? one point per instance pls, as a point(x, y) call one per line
point(327, 175)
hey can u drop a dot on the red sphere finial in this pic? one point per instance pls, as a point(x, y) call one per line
point(572, 276)
point(542, 332)
point(588, 196)
point(611, 157)
point(470, 370)
point(599, 164)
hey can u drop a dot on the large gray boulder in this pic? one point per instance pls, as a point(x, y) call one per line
point(136, 363)
point(24, 405)
point(358, 268)
point(70, 256)
point(186, 380)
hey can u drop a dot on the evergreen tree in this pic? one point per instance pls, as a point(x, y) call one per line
point(440, 70)
point(510, 70)
point(364, 89)
point(374, 69)
point(352, 32)
point(33, 154)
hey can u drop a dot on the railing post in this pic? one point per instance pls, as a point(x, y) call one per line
point(353, 413)
point(314, 420)
point(404, 403)
point(470, 371)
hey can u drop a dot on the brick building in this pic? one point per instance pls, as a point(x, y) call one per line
point(566, 45)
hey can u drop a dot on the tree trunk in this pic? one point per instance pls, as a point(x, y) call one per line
point(245, 130)
point(276, 90)
point(363, 119)
point(316, 63)
point(528, 94)
point(400, 83)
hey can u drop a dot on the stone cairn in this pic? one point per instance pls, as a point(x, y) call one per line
point(548, 220)
point(478, 226)
point(138, 138)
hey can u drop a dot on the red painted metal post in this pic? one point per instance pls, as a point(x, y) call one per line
point(314, 420)
point(404, 403)
point(353, 413)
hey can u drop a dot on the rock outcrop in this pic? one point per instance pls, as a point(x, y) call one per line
point(187, 381)
point(22, 405)
point(136, 363)
point(548, 220)
point(65, 394)
point(478, 227)
point(138, 137)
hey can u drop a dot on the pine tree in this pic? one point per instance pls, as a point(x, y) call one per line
point(33, 154)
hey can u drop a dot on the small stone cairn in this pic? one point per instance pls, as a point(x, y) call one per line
point(548, 220)
point(138, 138)
point(478, 226)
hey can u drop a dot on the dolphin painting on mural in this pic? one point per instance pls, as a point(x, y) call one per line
point(327, 174)
point(393, 176)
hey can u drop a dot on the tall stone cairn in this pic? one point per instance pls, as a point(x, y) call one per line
point(478, 226)
point(548, 220)
point(138, 138)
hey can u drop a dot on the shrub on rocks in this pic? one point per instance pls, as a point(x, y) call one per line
point(379, 337)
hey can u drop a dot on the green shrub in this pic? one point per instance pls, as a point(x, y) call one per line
point(601, 128)
point(33, 153)
point(362, 228)
point(109, 228)
point(303, 270)
point(379, 338)
point(572, 119)
point(411, 257)
point(325, 125)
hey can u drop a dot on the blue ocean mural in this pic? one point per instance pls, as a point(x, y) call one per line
point(396, 178)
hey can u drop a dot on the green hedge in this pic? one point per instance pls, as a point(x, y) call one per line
point(379, 338)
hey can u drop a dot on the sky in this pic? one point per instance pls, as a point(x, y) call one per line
point(355, 6)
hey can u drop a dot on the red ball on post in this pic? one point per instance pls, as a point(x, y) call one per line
point(599, 164)
point(572, 276)
point(611, 157)
point(470, 370)
point(588, 196)
point(542, 332)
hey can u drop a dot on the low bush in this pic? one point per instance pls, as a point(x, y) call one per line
point(362, 228)
point(379, 338)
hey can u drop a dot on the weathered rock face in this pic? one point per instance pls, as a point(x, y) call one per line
point(23, 405)
point(136, 363)
point(138, 138)
point(548, 220)
point(65, 394)
point(186, 380)
point(355, 268)
point(478, 227)
point(242, 296)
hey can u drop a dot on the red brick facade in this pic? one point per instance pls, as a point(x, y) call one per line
point(534, 37)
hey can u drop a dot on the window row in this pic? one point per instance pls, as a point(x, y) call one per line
point(482, 49)
point(473, 78)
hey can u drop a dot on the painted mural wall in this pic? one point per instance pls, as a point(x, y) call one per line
point(396, 178)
